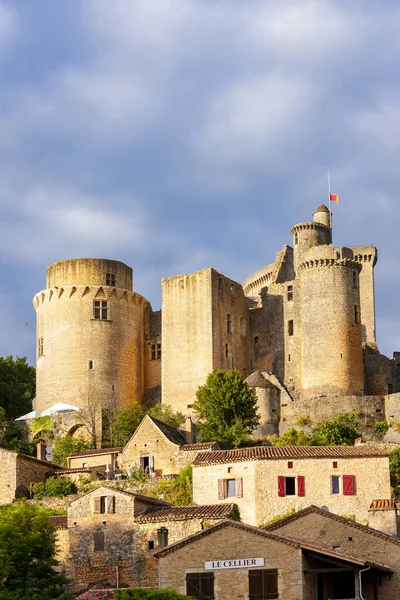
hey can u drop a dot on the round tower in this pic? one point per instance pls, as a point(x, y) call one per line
point(311, 234)
point(90, 335)
point(331, 342)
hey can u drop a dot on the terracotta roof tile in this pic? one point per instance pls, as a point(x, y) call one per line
point(96, 452)
point(171, 433)
point(60, 521)
point(79, 470)
point(180, 513)
point(200, 447)
point(283, 452)
point(383, 505)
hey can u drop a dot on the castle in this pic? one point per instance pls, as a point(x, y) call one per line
point(301, 329)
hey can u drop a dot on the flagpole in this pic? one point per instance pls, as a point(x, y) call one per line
point(330, 203)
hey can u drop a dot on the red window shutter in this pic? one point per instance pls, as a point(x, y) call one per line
point(281, 485)
point(239, 487)
point(221, 489)
point(349, 485)
point(300, 486)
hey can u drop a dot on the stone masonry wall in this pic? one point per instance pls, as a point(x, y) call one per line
point(260, 502)
point(8, 484)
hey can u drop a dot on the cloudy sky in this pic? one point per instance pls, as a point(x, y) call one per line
point(181, 134)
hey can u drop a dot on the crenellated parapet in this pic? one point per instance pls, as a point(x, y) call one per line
point(79, 292)
point(329, 262)
point(308, 226)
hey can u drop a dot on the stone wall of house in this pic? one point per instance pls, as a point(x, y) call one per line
point(76, 462)
point(8, 482)
point(30, 470)
point(261, 502)
point(232, 543)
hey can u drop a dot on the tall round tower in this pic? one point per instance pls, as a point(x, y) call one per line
point(90, 335)
point(311, 234)
point(331, 343)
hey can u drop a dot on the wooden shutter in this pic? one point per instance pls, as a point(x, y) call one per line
point(110, 507)
point(281, 485)
point(221, 489)
point(193, 585)
point(138, 462)
point(98, 541)
point(300, 486)
point(96, 505)
point(255, 585)
point(151, 463)
point(207, 586)
point(270, 583)
point(349, 485)
point(239, 487)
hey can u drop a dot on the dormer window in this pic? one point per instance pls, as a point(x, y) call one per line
point(110, 279)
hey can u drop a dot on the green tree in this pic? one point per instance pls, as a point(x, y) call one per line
point(394, 467)
point(291, 437)
point(343, 430)
point(17, 386)
point(11, 434)
point(27, 548)
point(226, 408)
point(67, 445)
point(149, 594)
point(54, 487)
point(178, 491)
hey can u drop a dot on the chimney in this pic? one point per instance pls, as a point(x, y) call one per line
point(382, 515)
point(41, 450)
point(190, 431)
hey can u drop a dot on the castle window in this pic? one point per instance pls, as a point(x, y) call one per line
point(256, 341)
point(200, 585)
point(91, 365)
point(98, 539)
point(40, 346)
point(230, 488)
point(356, 315)
point(110, 279)
point(226, 350)
point(155, 351)
point(355, 280)
point(150, 545)
point(290, 327)
point(242, 325)
point(290, 293)
point(263, 584)
point(296, 238)
point(229, 323)
point(100, 309)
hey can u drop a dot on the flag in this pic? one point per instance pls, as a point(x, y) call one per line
point(333, 198)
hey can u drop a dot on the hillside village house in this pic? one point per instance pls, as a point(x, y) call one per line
point(155, 447)
point(233, 560)
point(268, 481)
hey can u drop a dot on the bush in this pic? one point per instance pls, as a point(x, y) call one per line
point(149, 594)
point(65, 446)
point(381, 427)
point(53, 487)
point(178, 491)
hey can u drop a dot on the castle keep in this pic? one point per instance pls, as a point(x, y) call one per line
point(302, 329)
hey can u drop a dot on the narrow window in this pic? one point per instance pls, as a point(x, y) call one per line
point(335, 484)
point(390, 388)
point(334, 464)
point(290, 486)
point(230, 488)
point(200, 585)
point(99, 541)
point(296, 238)
point(91, 365)
point(356, 315)
point(110, 279)
point(290, 293)
point(100, 309)
point(229, 323)
point(162, 534)
point(158, 351)
point(355, 282)
point(256, 341)
point(290, 327)
point(107, 504)
point(153, 352)
point(290, 465)
point(242, 325)
point(150, 545)
point(233, 363)
point(288, 357)
point(40, 347)
point(226, 350)
point(263, 584)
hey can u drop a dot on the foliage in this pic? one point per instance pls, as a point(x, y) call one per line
point(53, 487)
point(27, 548)
point(381, 427)
point(302, 421)
point(149, 594)
point(125, 421)
point(138, 475)
point(226, 408)
point(179, 490)
point(17, 386)
point(343, 430)
point(235, 516)
point(41, 424)
point(394, 468)
point(279, 518)
point(291, 437)
point(11, 434)
point(67, 445)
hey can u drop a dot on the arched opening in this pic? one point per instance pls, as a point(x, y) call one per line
point(22, 492)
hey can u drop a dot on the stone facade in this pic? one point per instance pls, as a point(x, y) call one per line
point(267, 482)
point(18, 473)
point(232, 560)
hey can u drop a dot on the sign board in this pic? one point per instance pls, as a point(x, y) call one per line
point(236, 563)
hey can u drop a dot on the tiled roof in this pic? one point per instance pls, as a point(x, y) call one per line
point(283, 452)
point(60, 521)
point(181, 513)
point(322, 208)
point(96, 452)
point(115, 490)
point(278, 537)
point(97, 595)
point(171, 433)
point(200, 447)
point(79, 470)
point(315, 509)
point(383, 505)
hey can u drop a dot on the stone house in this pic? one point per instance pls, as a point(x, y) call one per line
point(155, 447)
point(269, 481)
point(233, 560)
point(19, 472)
point(325, 529)
point(110, 536)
